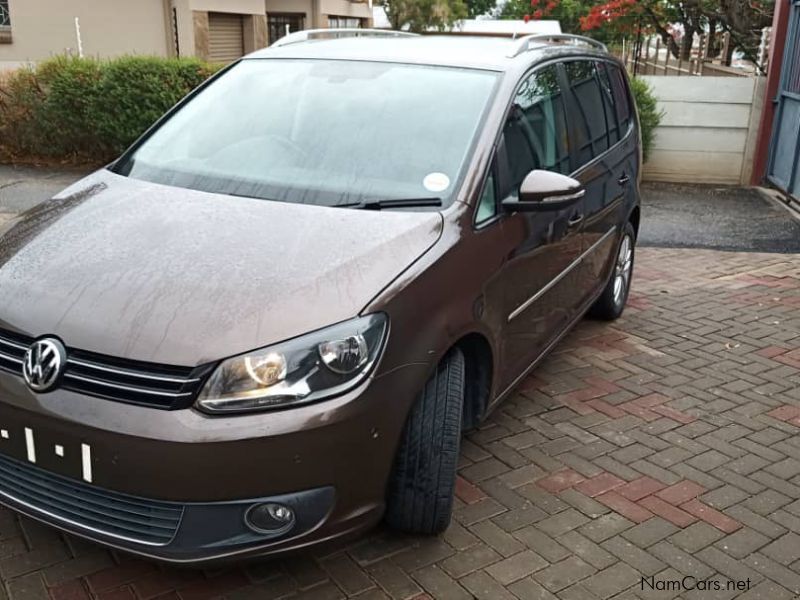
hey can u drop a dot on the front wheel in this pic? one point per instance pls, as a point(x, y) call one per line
point(611, 303)
point(421, 487)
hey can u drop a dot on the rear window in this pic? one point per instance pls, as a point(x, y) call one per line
point(321, 132)
point(590, 121)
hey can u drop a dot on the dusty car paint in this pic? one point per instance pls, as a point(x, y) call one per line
point(143, 272)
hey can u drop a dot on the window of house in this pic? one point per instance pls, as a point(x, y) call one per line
point(5, 14)
point(5, 23)
point(281, 24)
point(536, 133)
point(335, 22)
point(590, 122)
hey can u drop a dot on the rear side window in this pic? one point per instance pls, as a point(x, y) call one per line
point(615, 134)
point(621, 97)
point(536, 134)
point(590, 122)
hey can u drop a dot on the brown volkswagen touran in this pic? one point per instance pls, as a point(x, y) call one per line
point(268, 323)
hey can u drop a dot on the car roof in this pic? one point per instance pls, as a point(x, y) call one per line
point(477, 52)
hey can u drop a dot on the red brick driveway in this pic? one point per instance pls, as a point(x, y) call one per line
point(664, 445)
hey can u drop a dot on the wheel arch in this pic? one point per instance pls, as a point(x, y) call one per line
point(479, 374)
point(635, 218)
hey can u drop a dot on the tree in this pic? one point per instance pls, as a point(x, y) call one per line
point(476, 8)
point(743, 19)
point(421, 15)
point(567, 12)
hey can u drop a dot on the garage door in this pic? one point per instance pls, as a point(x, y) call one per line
point(225, 37)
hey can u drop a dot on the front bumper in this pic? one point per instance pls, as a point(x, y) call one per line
point(329, 462)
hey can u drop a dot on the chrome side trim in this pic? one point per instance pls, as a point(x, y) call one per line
point(134, 374)
point(525, 305)
point(127, 388)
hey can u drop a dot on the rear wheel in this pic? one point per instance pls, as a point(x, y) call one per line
point(420, 494)
point(611, 303)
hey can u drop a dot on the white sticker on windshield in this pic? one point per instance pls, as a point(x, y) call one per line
point(436, 182)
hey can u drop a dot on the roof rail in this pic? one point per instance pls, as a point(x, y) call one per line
point(525, 42)
point(333, 33)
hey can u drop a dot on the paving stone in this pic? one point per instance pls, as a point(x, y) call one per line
point(784, 550)
point(667, 511)
point(639, 559)
point(680, 492)
point(612, 580)
point(696, 537)
point(542, 544)
point(650, 532)
point(471, 559)
point(560, 575)
point(723, 497)
point(563, 522)
point(742, 543)
point(606, 526)
point(516, 567)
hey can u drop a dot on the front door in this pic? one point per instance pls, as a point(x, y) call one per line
point(539, 277)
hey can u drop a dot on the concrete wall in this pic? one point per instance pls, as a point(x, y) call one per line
point(708, 131)
point(43, 28)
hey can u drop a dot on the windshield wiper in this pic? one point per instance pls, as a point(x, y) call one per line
point(396, 203)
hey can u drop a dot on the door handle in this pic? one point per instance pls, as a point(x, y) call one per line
point(575, 220)
point(625, 179)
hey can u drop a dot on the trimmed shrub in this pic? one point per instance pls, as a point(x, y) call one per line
point(89, 110)
point(134, 92)
point(649, 114)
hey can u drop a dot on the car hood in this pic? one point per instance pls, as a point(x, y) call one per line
point(153, 273)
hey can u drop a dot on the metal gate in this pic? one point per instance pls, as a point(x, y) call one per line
point(784, 164)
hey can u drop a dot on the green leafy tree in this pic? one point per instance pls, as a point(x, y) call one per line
point(566, 12)
point(421, 15)
point(476, 8)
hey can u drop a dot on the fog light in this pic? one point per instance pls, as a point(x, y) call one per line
point(270, 518)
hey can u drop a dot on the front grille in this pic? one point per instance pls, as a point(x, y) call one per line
point(124, 517)
point(133, 382)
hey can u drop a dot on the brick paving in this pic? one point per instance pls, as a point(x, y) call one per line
point(659, 446)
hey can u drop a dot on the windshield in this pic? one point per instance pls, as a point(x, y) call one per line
point(321, 132)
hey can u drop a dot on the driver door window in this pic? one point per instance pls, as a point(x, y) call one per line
point(536, 133)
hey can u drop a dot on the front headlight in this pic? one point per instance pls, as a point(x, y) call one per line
point(308, 368)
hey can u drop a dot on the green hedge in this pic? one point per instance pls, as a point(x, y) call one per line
point(649, 113)
point(78, 109)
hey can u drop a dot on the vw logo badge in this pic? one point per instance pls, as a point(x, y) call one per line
point(43, 364)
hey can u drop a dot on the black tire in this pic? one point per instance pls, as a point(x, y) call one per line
point(423, 479)
point(611, 303)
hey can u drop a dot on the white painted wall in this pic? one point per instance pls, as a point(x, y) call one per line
point(707, 130)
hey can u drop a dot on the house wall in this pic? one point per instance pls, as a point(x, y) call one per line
point(708, 131)
point(43, 28)
point(294, 6)
point(193, 23)
point(343, 8)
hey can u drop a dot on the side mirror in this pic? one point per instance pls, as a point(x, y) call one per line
point(543, 191)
